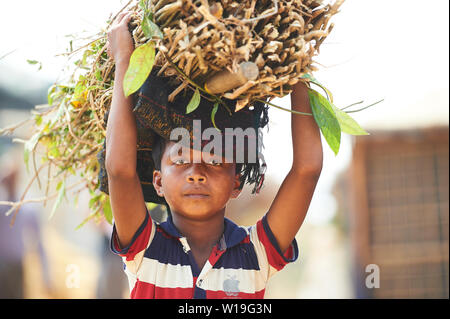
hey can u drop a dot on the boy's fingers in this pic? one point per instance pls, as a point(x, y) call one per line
point(126, 18)
point(123, 16)
point(119, 18)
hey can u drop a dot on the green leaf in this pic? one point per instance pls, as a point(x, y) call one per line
point(326, 120)
point(347, 123)
point(312, 79)
point(55, 93)
point(150, 16)
point(86, 220)
point(141, 64)
point(50, 94)
point(38, 119)
point(151, 206)
point(72, 171)
point(61, 111)
point(107, 211)
point(85, 56)
point(29, 147)
point(75, 200)
point(34, 62)
point(213, 115)
point(144, 5)
point(98, 75)
point(95, 87)
point(61, 194)
point(79, 95)
point(80, 87)
point(150, 29)
point(194, 103)
point(54, 152)
point(94, 200)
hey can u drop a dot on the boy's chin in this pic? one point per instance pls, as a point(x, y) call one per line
point(197, 210)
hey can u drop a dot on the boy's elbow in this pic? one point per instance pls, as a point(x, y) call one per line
point(311, 166)
point(122, 169)
point(312, 171)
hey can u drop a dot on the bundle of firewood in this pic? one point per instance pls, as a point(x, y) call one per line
point(245, 50)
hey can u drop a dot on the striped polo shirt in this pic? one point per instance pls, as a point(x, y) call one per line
point(160, 265)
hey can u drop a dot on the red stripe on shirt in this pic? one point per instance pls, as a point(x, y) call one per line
point(274, 258)
point(215, 255)
point(140, 243)
point(144, 290)
point(246, 240)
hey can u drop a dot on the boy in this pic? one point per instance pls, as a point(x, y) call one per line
point(198, 253)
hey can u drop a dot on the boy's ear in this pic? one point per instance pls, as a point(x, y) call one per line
point(157, 183)
point(236, 191)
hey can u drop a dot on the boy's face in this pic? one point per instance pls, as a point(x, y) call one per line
point(195, 190)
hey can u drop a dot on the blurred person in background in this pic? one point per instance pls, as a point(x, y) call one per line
point(14, 240)
point(112, 282)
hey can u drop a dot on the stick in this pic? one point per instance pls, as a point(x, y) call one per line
point(226, 80)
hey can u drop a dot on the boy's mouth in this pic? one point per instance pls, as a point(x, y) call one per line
point(199, 196)
point(196, 193)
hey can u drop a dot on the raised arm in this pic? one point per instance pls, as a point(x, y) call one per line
point(127, 200)
point(289, 208)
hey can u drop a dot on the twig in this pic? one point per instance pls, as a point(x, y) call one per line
point(78, 49)
point(123, 8)
point(217, 99)
point(282, 108)
point(275, 11)
point(344, 108)
point(48, 183)
point(365, 107)
point(12, 128)
point(17, 205)
point(71, 132)
point(24, 193)
point(8, 53)
point(35, 170)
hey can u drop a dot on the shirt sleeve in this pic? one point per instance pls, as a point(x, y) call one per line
point(269, 253)
point(133, 254)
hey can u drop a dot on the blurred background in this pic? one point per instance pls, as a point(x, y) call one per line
point(378, 223)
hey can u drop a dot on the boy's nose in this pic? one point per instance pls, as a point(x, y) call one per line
point(196, 175)
point(196, 178)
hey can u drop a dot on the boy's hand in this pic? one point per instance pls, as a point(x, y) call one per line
point(120, 43)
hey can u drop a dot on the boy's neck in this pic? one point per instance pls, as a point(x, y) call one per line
point(201, 234)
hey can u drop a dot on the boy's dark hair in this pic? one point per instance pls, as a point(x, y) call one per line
point(158, 149)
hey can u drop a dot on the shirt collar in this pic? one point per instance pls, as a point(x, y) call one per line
point(232, 235)
point(169, 227)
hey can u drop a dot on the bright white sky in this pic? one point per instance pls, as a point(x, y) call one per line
point(384, 49)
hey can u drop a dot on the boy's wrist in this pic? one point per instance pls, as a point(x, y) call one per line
point(122, 61)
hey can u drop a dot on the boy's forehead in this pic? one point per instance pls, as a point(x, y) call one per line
point(176, 148)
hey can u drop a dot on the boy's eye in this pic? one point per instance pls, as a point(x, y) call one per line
point(180, 161)
point(215, 162)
